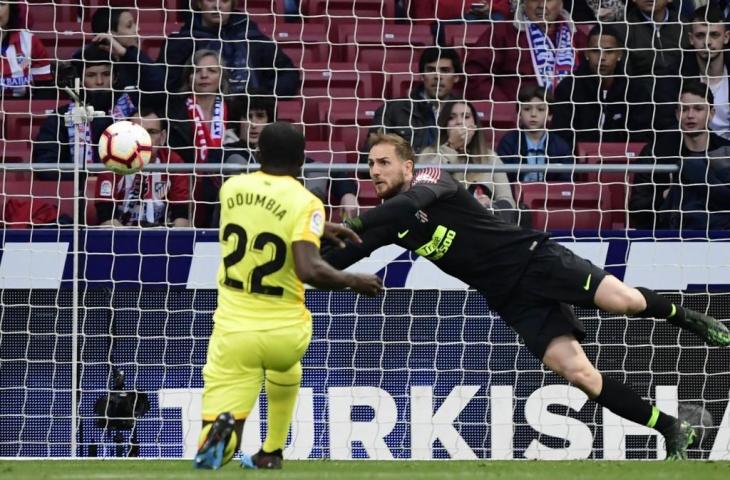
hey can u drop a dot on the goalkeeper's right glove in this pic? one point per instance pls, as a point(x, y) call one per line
point(354, 224)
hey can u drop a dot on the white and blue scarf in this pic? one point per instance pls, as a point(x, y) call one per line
point(551, 64)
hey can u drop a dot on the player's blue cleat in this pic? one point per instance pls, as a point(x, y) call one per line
point(679, 439)
point(217, 449)
point(262, 460)
point(709, 329)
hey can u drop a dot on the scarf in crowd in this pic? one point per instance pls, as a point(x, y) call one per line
point(207, 134)
point(83, 130)
point(551, 64)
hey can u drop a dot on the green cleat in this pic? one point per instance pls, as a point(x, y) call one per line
point(709, 329)
point(678, 440)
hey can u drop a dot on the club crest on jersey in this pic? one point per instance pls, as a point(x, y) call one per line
point(428, 175)
point(105, 189)
point(317, 223)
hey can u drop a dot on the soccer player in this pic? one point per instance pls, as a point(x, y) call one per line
point(270, 235)
point(530, 280)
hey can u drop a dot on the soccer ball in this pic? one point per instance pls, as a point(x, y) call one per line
point(125, 147)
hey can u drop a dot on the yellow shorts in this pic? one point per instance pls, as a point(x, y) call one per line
point(238, 363)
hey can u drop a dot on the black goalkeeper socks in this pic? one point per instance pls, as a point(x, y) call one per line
point(626, 403)
point(658, 306)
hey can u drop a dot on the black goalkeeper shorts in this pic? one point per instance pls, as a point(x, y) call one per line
point(540, 307)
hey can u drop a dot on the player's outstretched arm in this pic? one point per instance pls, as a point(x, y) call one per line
point(312, 269)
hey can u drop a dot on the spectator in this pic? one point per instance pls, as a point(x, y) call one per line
point(709, 63)
point(690, 148)
point(459, 9)
point(606, 10)
point(146, 199)
point(24, 62)
point(242, 142)
point(599, 103)
point(116, 33)
point(700, 198)
point(499, 65)
point(654, 41)
point(532, 143)
point(55, 140)
point(414, 118)
point(461, 141)
point(588, 10)
point(253, 58)
point(198, 118)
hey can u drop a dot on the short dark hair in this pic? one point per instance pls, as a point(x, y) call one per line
point(91, 56)
point(434, 54)
point(606, 29)
point(146, 110)
point(258, 99)
point(14, 20)
point(106, 19)
point(695, 87)
point(529, 92)
point(281, 144)
point(709, 13)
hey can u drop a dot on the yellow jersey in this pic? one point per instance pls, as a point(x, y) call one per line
point(261, 216)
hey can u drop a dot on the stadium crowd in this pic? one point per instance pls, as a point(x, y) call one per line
point(489, 82)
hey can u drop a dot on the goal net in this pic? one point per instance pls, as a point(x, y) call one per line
point(104, 323)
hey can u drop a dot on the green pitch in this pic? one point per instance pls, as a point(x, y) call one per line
point(319, 470)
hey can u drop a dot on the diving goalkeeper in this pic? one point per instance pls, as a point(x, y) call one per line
point(530, 280)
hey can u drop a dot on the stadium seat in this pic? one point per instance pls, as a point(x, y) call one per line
point(349, 121)
point(56, 16)
point(309, 37)
point(461, 35)
point(566, 206)
point(498, 115)
point(374, 9)
point(337, 80)
point(57, 194)
point(609, 149)
point(264, 7)
point(150, 11)
point(401, 78)
point(62, 45)
point(381, 44)
point(21, 119)
point(366, 195)
point(15, 151)
point(615, 182)
point(326, 152)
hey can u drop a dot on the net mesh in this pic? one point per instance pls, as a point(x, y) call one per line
point(425, 371)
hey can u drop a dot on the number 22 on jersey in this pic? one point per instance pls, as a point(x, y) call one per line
point(254, 281)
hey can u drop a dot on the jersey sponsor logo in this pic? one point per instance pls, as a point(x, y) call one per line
point(316, 225)
point(19, 81)
point(105, 189)
point(587, 286)
point(421, 216)
point(403, 233)
point(439, 244)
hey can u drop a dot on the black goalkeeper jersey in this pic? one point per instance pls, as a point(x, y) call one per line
point(439, 220)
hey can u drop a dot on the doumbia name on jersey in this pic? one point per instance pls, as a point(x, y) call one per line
point(257, 200)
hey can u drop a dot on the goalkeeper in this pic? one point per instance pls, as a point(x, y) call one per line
point(530, 280)
point(270, 235)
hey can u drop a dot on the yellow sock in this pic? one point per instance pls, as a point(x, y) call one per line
point(281, 400)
